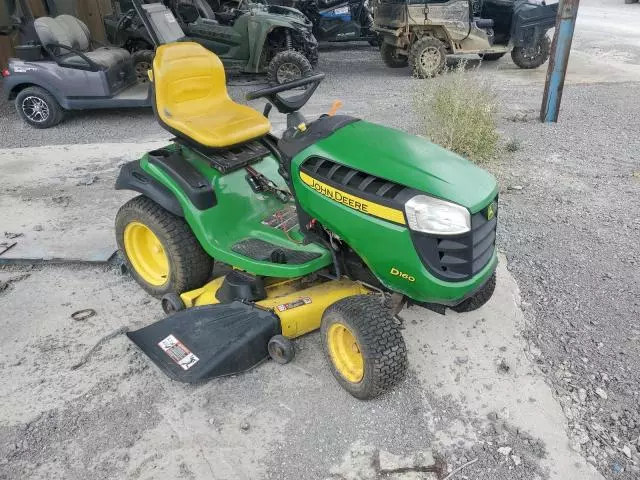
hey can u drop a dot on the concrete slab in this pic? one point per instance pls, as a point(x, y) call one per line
point(58, 202)
point(118, 416)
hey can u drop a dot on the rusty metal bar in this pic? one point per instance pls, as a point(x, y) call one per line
point(560, 48)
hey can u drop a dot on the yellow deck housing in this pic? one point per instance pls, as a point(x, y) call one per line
point(299, 303)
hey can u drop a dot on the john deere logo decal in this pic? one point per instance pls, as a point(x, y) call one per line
point(492, 209)
point(354, 202)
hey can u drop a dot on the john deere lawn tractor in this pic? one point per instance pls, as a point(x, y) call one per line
point(328, 227)
point(421, 33)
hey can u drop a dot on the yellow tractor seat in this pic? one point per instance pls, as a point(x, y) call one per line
point(191, 99)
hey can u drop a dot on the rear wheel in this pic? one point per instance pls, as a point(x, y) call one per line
point(38, 107)
point(534, 56)
point(288, 66)
point(391, 57)
point(143, 62)
point(159, 248)
point(363, 346)
point(428, 57)
point(491, 57)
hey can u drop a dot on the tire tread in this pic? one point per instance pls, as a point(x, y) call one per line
point(190, 265)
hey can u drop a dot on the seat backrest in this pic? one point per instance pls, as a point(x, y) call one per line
point(78, 30)
point(64, 30)
point(188, 81)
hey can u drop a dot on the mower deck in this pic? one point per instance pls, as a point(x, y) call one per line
point(299, 303)
point(206, 342)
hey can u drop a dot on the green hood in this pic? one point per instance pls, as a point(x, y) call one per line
point(411, 161)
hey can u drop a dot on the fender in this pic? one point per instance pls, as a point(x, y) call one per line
point(532, 21)
point(26, 79)
point(258, 28)
point(132, 177)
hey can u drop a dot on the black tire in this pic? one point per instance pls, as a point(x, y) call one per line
point(427, 57)
point(392, 59)
point(532, 57)
point(189, 266)
point(142, 63)
point(38, 108)
point(288, 66)
point(481, 297)
point(172, 303)
point(281, 349)
point(491, 57)
point(379, 341)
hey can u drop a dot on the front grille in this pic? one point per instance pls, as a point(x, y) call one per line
point(354, 181)
point(460, 257)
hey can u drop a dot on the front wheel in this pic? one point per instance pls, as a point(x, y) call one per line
point(288, 66)
point(391, 57)
point(481, 297)
point(38, 107)
point(363, 346)
point(532, 57)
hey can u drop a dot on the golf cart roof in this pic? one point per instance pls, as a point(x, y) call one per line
point(159, 21)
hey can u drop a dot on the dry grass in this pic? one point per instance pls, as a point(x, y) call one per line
point(458, 112)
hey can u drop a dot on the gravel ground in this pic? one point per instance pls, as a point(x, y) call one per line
point(572, 237)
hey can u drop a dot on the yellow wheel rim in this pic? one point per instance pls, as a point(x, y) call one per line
point(146, 253)
point(345, 352)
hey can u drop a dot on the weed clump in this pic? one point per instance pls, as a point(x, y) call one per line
point(458, 112)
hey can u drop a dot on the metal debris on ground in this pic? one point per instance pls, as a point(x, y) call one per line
point(82, 315)
point(11, 235)
point(98, 344)
point(4, 246)
point(470, 462)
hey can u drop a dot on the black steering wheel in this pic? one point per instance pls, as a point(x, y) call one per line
point(291, 104)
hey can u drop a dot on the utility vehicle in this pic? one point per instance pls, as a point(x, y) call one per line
point(421, 33)
point(326, 227)
point(248, 37)
point(340, 20)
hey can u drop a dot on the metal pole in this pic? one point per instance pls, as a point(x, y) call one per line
point(565, 24)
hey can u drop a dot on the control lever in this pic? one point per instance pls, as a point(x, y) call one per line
point(335, 106)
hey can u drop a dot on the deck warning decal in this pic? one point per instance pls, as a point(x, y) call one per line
point(178, 352)
point(296, 303)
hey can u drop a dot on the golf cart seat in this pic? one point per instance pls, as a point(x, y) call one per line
point(191, 99)
point(70, 37)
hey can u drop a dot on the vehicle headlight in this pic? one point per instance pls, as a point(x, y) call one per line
point(435, 216)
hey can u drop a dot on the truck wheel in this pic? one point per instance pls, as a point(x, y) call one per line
point(142, 63)
point(534, 56)
point(38, 107)
point(288, 66)
point(159, 248)
point(391, 58)
point(481, 297)
point(363, 346)
point(491, 57)
point(427, 57)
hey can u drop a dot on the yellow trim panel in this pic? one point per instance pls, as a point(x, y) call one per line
point(298, 303)
point(353, 202)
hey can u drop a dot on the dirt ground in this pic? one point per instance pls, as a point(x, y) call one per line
point(540, 383)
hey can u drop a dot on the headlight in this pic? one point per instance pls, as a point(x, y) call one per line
point(432, 215)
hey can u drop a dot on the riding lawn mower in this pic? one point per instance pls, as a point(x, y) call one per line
point(332, 226)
